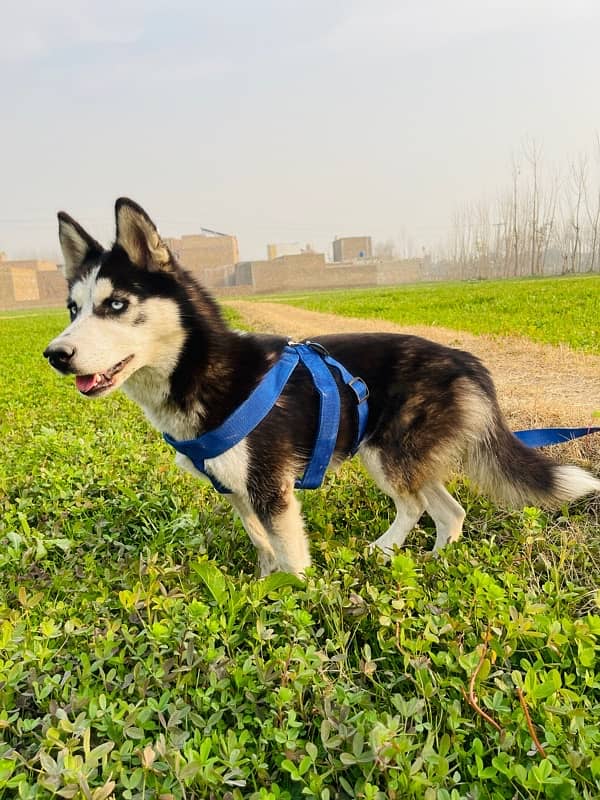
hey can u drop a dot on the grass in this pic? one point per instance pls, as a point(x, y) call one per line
point(141, 658)
point(553, 310)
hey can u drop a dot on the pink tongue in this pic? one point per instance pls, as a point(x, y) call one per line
point(85, 382)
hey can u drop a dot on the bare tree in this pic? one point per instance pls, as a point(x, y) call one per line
point(502, 247)
point(579, 184)
point(593, 213)
point(386, 251)
point(516, 171)
point(482, 236)
point(532, 152)
point(542, 223)
point(549, 200)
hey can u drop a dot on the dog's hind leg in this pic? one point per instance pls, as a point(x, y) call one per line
point(447, 514)
point(409, 506)
point(267, 561)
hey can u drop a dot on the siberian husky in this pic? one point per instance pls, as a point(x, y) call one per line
point(141, 322)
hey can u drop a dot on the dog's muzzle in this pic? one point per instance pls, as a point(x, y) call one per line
point(60, 357)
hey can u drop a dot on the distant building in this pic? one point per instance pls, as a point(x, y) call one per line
point(29, 283)
point(351, 248)
point(201, 251)
point(296, 269)
point(310, 271)
point(283, 249)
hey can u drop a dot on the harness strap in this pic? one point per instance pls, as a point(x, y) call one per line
point(361, 392)
point(329, 417)
point(262, 399)
point(242, 421)
point(541, 437)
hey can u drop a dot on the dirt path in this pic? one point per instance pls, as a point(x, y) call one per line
point(537, 384)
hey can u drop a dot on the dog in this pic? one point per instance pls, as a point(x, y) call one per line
point(140, 322)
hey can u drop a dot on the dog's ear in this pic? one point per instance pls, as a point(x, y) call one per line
point(76, 244)
point(138, 236)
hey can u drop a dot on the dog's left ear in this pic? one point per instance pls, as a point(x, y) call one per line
point(138, 236)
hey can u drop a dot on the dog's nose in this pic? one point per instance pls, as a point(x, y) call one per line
point(59, 356)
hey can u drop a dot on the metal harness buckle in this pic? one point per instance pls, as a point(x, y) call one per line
point(358, 379)
point(318, 348)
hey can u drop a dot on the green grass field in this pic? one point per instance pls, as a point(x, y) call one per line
point(140, 657)
point(553, 310)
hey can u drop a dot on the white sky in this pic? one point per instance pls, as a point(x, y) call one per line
point(283, 120)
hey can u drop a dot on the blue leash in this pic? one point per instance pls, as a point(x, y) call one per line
point(542, 437)
point(262, 399)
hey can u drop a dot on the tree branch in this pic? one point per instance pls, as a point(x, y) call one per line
point(530, 727)
point(471, 697)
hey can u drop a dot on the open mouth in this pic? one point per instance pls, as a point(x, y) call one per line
point(97, 383)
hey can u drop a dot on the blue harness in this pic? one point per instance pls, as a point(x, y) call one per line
point(259, 403)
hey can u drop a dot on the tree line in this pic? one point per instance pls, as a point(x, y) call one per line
point(544, 222)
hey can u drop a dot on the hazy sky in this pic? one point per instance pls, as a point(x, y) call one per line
point(283, 121)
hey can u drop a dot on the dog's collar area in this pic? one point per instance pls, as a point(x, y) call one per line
point(259, 403)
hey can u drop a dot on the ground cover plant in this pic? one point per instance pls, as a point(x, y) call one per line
point(140, 657)
point(554, 310)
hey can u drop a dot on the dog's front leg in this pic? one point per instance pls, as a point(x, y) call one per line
point(277, 531)
point(267, 562)
point(285, 526)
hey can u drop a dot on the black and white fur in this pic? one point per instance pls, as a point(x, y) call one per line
point(140, 322)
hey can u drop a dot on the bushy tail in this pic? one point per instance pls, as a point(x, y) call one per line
point(512, 473)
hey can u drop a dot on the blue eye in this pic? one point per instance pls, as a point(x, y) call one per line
point(117, 305)
point(72, 309)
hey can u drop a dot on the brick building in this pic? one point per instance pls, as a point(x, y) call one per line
point(311, 271)
point(283, 249)
point(351, 248)
point(29, 283)
point(199, 252)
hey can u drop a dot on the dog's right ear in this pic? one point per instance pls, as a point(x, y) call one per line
point(76, 244)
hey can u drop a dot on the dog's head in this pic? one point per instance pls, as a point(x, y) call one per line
point(121, 302)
